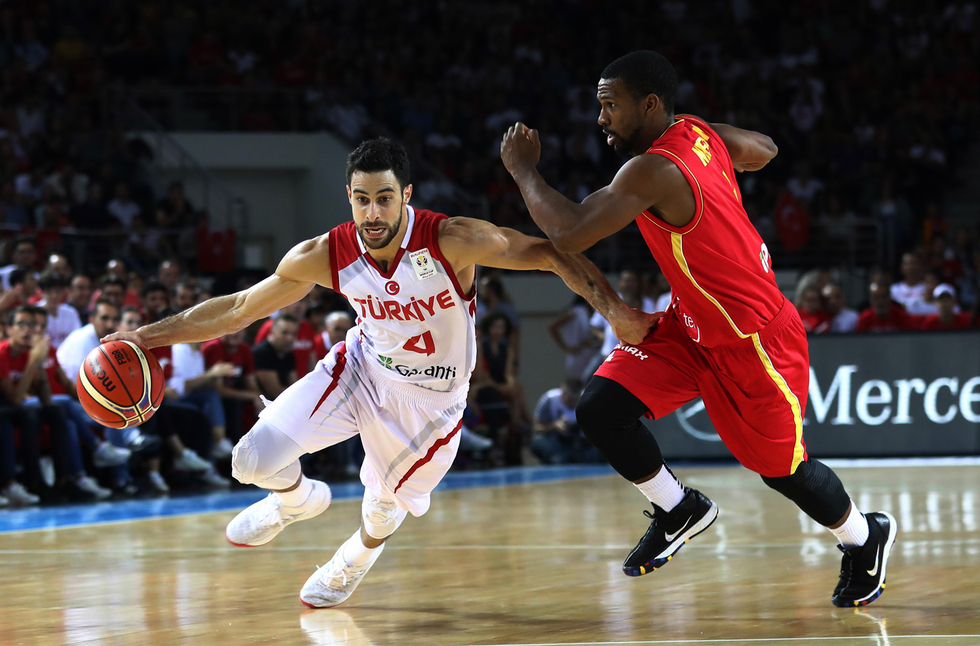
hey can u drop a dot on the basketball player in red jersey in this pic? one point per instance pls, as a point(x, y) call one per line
point(729, 336)
point(399, 379)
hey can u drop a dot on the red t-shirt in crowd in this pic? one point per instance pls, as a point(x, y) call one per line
point(13, 367)
point(166, 358)
point(320, 348)
point(814, 321)
point(216, 352)
point(303, 347)
point(960, 322)
point(897, 319)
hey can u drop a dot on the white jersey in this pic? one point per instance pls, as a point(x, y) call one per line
point(415, 321)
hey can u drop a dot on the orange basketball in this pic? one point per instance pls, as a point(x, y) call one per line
point(120, 384)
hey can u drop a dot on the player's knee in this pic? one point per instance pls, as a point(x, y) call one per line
point(591, 414)
point(379, 516)
point(245, 460)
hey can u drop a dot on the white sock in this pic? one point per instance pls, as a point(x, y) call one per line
point(356, 554)
point(663, 489)
point(297, 497)
point(854, 531)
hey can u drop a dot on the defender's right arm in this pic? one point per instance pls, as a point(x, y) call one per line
point(306, 264)
point(749, 150)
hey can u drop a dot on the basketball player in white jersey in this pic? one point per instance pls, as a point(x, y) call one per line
point(401, 377)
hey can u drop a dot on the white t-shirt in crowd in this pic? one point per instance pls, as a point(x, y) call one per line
point(125, 212)
point(663, 302)
point(76, 346)
point(188, 364)
point(904, 293)
point(61, 325)
point(845, 321)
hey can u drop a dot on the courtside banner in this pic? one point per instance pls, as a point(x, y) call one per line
point(903, 394)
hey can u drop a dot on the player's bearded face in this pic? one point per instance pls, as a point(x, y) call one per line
point(370, 231)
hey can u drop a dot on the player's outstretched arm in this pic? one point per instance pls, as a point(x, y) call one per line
point(643, 182)
point(306, 264)
point(467, 242)
point(749, 150)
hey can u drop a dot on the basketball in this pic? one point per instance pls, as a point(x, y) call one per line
point(120, 384)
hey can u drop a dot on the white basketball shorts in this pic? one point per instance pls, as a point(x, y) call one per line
point(410, 434)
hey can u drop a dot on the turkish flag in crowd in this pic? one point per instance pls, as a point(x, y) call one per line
point(792, 222)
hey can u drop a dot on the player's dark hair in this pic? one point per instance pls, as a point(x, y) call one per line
point(52, 280)
point(645, 72)
point(154, 286)
point(379, 155)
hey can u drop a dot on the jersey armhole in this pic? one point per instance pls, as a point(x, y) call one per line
point(692, 181)
point(431, 237)
point(335, 249)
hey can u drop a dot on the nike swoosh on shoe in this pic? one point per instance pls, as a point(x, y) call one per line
point(671, 537)
point(874, 571)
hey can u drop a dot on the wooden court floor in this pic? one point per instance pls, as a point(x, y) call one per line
point(528, 564)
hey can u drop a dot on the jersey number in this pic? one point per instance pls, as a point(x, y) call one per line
point(423, 344)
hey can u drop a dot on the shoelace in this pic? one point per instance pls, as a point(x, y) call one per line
point(335, 570)
point(273, 512)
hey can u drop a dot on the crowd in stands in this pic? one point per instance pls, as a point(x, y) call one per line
point(872, 104)
point(51, 317)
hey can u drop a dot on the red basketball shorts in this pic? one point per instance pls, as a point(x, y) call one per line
point(754, 389)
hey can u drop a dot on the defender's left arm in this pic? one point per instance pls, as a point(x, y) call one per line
point(467, 242)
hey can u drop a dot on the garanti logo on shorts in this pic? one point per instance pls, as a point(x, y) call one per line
point(436, 372)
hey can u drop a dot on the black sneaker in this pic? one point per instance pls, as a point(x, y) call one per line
point(862, 569)
point(669, 531)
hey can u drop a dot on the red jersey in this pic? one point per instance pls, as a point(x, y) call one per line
point(166, 358)
point(216, 352)
point(51, 366)
point(303, 347)
point(960, 322)
point(897, 319)
point(718, 268)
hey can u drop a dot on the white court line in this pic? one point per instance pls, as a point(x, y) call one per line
point(731, 547)
point(846, 463)
point(758, 640)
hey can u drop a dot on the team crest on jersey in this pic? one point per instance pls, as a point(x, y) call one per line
point(422, 263)
point(392, 287)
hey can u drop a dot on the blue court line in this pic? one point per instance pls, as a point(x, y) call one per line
point(34, 518)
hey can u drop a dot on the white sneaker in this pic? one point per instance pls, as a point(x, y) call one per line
point(46, 464)
point(90, 486)
point(17, 495)
point(260, 523)
point(157, 482)
point(222, 450)
point(108, 455)
point(213, 479)
point(335, 582)
point(4, 502)
point(191, 461)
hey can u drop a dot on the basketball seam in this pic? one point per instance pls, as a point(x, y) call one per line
point(135, 404)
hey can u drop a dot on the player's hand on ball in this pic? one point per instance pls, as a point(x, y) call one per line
point(520, 148)
point(634, 326)
point(133, 336)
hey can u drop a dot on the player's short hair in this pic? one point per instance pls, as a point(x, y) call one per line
point(52, 280)
point(645, 72)
point(378, 155)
